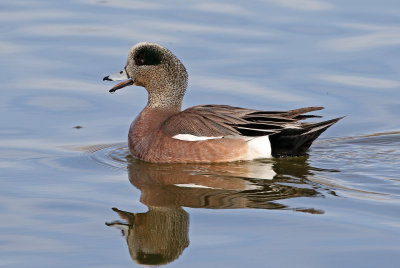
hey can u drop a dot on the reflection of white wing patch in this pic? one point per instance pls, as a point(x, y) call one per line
point(260, 170)
point(247, 186)
point(192, 185)
point(190, 137)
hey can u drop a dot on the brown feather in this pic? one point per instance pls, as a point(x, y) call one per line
point(224, 120)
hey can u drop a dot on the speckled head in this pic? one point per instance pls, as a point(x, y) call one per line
point(158, 70)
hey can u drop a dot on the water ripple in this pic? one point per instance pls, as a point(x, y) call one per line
point(112, 155)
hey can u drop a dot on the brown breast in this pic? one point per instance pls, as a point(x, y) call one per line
point(147, 142)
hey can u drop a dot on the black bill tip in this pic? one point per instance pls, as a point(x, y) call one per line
point(107, 78)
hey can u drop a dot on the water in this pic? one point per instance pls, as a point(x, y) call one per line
point(65, 166)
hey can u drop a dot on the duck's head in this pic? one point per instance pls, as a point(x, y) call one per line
point(158, 70)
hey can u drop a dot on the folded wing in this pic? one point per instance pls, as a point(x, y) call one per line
point(288, 135)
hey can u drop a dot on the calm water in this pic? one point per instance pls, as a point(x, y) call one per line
point(65, 169)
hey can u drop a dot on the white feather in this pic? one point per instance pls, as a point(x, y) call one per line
point(190, 137)
point(258, 147)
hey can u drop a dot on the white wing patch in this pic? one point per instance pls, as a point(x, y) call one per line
point(190, 137)
point(258, 147)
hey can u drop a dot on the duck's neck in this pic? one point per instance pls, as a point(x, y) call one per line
point(167, 91)
point(166, 99)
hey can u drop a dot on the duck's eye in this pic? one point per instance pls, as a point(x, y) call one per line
point(147, 56)
point(140, 59)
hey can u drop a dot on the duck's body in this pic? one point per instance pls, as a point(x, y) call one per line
point(149, 141)
point(208, 133)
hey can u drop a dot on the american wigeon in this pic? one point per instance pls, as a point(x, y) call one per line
point(204, 133)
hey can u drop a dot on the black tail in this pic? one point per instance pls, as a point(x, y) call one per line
point(296, 141)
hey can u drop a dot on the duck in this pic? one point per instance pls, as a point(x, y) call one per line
point(164, 133)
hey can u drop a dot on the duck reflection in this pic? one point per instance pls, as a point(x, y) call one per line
point(160, 235)
point(156, 237)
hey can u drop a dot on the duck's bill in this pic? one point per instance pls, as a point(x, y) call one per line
point(121, 85)
point(122, 75)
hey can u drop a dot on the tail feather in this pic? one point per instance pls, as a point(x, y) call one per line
point(296, 141)
point(296, 112)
